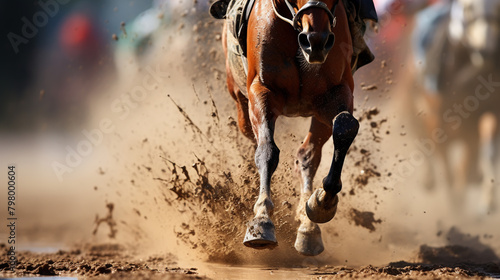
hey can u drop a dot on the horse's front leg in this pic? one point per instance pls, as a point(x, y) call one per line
point(308, 241)
point(263, 113)
point(322, 205)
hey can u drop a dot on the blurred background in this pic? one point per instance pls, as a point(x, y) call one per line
point(65, 67)
point(99, 98)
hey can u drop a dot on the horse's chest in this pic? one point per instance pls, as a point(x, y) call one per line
point(303, 101)
point(319, 77)
point(314, 86)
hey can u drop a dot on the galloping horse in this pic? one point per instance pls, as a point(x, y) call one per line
point(458, 46)
point(299, 62)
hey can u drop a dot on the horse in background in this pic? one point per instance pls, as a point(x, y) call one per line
point(457, 51)
point(296, 59)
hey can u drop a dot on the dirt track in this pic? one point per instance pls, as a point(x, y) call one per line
point(113, 261)
point(107, 261)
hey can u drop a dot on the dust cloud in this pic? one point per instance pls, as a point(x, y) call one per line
point(182, 181)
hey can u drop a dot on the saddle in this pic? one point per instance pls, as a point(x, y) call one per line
point(358, 11)
point(238, 12)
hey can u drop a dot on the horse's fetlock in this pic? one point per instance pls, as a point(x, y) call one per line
point(263, 207)
point(330, 186)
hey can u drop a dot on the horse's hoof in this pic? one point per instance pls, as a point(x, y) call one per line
point(260, 234)
point(308, 241)
point(321, 207)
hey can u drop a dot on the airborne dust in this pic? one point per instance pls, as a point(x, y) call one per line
point(174, 183)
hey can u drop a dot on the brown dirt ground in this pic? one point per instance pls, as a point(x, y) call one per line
point(106, 261)
point(113, 261)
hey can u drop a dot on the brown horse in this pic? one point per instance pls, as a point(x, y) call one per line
point(298, 66)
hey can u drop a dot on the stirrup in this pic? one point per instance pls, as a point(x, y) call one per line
point(218, 9)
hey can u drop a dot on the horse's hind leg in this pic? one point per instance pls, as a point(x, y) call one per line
point(243, 118)
point(322, 205)
point(241, 104)
point(260, 230)
point(308, 241)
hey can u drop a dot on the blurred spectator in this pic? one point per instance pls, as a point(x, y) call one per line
point(76, 58)
point(48, 77)
point(16, 69)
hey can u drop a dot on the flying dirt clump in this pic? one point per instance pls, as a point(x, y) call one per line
point(363, 152)
point(375, 125)
point(221, 213)
point(364, 219)
point(218, 204)
point(368, 169)
point(107, 220)
point(215, 193)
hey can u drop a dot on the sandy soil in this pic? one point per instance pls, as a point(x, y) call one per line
point(113, 261)
point(106, 261)
point(167, 193)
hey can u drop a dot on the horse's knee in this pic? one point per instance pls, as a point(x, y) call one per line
point(345, 129)
point(267, 156)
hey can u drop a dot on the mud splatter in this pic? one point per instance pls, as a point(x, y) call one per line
point(189, 121)
point(122, 28)
point(375, 125)
point(220, 200)
point(368, 169)
point(364, 219)
point(107, 220)
point(369, 87)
